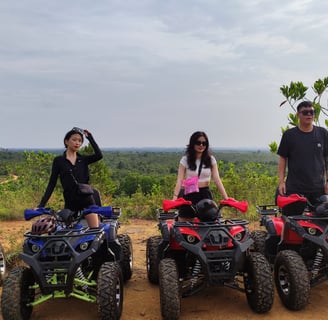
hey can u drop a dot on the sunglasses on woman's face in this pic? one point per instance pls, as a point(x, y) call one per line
point(201, 143)
point(307, 112)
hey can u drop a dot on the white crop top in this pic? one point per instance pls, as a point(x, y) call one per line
point(205, 174)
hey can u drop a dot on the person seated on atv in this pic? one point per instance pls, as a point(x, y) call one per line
point(197, 162)
point(72, 168)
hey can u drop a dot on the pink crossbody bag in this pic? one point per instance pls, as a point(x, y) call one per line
point(191, 184)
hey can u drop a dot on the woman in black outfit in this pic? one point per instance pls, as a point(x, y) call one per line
point(73, 166)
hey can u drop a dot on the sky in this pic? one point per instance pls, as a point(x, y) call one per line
point(148, 73)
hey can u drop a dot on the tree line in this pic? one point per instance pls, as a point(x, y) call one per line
point(135, 180)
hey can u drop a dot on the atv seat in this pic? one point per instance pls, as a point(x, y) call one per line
point(292, 205)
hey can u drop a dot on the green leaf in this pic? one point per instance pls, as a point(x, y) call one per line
point(282, 103)
point(273, 147)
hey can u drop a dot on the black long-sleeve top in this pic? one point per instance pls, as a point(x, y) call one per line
point(64, 169)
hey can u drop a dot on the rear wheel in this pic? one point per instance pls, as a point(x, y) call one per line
point(258, 283)
point(152, 258)
point(127, 259)
point(292, 280)
point(110, 291)
point(3, 269)
point(17, 294)
point(259, 240)
point(170, 298)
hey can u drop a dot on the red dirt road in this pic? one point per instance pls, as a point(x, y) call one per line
point(141, 299)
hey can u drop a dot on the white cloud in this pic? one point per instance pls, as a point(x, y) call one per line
point(148, 73)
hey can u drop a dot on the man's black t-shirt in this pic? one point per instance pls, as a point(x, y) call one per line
point(306, 154)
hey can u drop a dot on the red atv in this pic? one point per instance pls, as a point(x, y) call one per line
point(207, 251)
point(296, 246)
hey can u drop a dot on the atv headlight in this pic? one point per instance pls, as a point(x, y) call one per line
point(35, 248)
point(84, 246)
point(312, 231)
point(238, 236)
point(190, 238)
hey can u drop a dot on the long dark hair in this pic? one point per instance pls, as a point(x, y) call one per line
point(191, 153)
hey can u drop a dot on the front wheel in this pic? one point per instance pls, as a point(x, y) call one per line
point(292, 280)
point(3, 269)
point(110, 291)
point(17, 294)
point(258, 283)
point(170, 298)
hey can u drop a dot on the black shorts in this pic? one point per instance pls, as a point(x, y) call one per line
point(76, 202)
point(188, 211)
point(204, 193)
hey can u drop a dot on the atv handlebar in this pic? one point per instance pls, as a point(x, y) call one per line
point(283, 201)
point(32, 213)
point(242, 206)
point(320, 207)
point(231, 202)
point(106, 212)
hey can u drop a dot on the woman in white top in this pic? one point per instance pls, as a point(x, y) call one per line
point(197, 153)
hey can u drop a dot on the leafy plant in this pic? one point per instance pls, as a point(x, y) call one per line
point(296, 92)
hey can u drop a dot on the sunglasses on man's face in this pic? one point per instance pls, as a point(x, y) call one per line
point(201, 143)
point(307, 112)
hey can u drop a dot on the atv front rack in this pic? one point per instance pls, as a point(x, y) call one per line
point(220, 252)
point(55, 258)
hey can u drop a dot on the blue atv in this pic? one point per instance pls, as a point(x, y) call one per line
point(66, 258)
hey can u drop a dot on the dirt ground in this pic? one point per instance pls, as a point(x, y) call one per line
point(141, 299)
